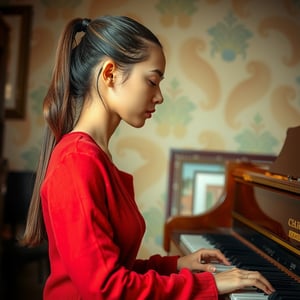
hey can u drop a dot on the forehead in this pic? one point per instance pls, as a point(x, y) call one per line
point(156, 60)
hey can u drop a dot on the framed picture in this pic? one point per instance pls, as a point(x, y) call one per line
point(194, 174)
point(18, 19)
point(207, 190)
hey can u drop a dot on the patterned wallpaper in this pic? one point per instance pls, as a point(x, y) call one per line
point(232, 83)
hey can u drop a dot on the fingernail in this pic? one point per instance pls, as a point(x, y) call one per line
point(212, 269)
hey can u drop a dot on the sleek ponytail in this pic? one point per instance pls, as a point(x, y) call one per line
point(59, 113)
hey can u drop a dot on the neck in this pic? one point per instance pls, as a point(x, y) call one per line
point(99, 124)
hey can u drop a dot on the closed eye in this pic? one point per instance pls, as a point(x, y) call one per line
point(152, 83)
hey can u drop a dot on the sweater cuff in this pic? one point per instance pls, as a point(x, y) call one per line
point(169, 265)
point(164, 265)
point(206, 286)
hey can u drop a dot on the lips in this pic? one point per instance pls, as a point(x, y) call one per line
point(151, 111)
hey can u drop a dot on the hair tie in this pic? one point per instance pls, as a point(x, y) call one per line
point(84, 24)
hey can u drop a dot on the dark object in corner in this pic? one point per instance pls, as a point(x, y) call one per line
point(288, 162)
point(19, 188)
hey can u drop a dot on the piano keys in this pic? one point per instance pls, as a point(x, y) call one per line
point(244, 257)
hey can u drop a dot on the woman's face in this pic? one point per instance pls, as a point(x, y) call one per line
point(134, 100)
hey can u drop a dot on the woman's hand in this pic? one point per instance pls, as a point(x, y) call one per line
point(236, 279)
point(226, 281)
point(202, 260)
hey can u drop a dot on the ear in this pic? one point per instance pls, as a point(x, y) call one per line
point(109, 72)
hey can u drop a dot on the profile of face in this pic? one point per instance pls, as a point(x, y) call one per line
point(134, 100)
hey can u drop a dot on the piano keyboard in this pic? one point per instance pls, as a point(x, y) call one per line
point(243, 257)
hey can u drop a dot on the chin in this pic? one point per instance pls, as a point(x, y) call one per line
point(138, 124)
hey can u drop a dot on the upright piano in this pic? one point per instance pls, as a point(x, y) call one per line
point(256, 225)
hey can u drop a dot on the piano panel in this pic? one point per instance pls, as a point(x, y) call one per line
point(273, 213)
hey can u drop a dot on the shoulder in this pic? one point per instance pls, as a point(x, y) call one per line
point(78, 152)
point(77, 142)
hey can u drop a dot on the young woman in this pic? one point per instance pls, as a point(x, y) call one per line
point(82, 203)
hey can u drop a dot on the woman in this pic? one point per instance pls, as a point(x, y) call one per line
point(82, 203)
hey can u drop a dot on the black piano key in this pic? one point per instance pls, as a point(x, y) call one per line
point(283, 296)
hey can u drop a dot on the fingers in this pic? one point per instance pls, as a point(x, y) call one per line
point(207, 268)
point(202, 260)
point(210, 255)
point(233, 279)
point(236, 279)
point(257, 280)
point(207, 260)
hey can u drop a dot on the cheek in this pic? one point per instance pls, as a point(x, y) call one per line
point(136, 92)
point(131, 96)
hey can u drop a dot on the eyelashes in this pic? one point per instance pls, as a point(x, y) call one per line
point(152, 83)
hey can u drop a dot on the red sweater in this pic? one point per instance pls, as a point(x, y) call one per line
point(95, 230)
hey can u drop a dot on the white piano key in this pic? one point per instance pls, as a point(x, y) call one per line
point(248, 296)
point(222, 268)
point(195, 242)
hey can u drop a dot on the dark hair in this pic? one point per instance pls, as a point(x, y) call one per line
point(121, 38)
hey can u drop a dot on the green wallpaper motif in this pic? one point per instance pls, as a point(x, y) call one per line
point(229, 38)
point(176, 112)
point(178, 11)
point(255, 138)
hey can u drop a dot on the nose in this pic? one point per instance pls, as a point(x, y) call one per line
point(158, 98)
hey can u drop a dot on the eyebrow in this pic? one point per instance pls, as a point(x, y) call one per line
point(160, 73)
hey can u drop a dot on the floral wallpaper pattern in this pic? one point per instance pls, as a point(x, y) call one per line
point(232, 83)
point(229, 38)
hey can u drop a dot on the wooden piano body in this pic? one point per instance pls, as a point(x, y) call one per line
point(258, 208)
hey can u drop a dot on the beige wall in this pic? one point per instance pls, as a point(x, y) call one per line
point(232, 83)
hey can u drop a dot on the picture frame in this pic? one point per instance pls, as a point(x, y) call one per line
point(19, 21)
point(207, 190)
point(185, 164)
